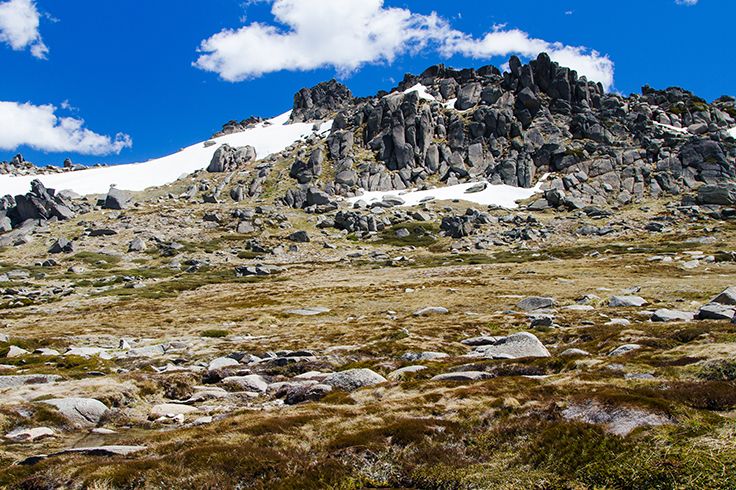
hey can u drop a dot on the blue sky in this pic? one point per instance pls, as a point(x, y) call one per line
point(121, 82)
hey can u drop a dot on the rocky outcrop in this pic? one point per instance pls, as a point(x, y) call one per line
point(320, 101)
point(229, 159)
point(511, 128)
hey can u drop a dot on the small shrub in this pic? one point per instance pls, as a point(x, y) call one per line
point(719, 370)
point(214, 333)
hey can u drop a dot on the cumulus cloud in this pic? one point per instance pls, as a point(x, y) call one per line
point(38, 127)
point(347, 34)
point(686, 2)
point(19, 22)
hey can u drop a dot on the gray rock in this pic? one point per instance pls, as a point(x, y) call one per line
point(617, 420)
point(62, 245)
point(533, 303)
point(251, 382)
point(301, 394)
point(479, 187)
point(515, 346)
point(624, 349)
point(665, 315)
point(117, 199)
point(727, 297)
point(81, 412)
point(723, 194)
point(431, 310)
point(14, 381)
point(222, 362)
point(245, 228)
point(468, 96)
point(423, 356)
point(148, 351)
point(463, 376)
point(575, 352)
point(402, 233)
point(716, 311)
point(137, 245)
point(353, 379)
point(626, 301)
point(300, 236)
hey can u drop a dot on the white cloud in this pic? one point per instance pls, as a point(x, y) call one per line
point(19, 22)
point(686, 2)
point(347, 34)
point(38, 127)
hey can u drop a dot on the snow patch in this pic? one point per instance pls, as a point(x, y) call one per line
point(671, 128)
point(732, 132)
point(267, 138)
point(450, 104)
point(498, 195)
point(422, 91)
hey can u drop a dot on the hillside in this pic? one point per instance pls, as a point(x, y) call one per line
point(476, 280)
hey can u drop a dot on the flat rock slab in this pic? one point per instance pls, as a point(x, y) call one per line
point(353, 379)
point(82, 412)
point(716, 311)
point(147, 351)
point(617, 420)
point(515, 346)
point(478, 341)
point(463, 376)
point(30, 434)
point(310, 311)
point(432, 310)
point(533, 303)
point(88, 451)
point(170, 410)
point(13, 381)
point(665, 315)
point(578, 308)
point(626, 301)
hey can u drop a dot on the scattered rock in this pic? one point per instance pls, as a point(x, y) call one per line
point(518, 345)
point(137, 245)
point(251, 382)
point(353, 379)
point(309, 311)
point(535, 303)
point(432, 310)
point(626, 301)
point(624, 349)
point(62, 245)
point(664, 315)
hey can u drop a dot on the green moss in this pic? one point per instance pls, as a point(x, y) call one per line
point(215, 334)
